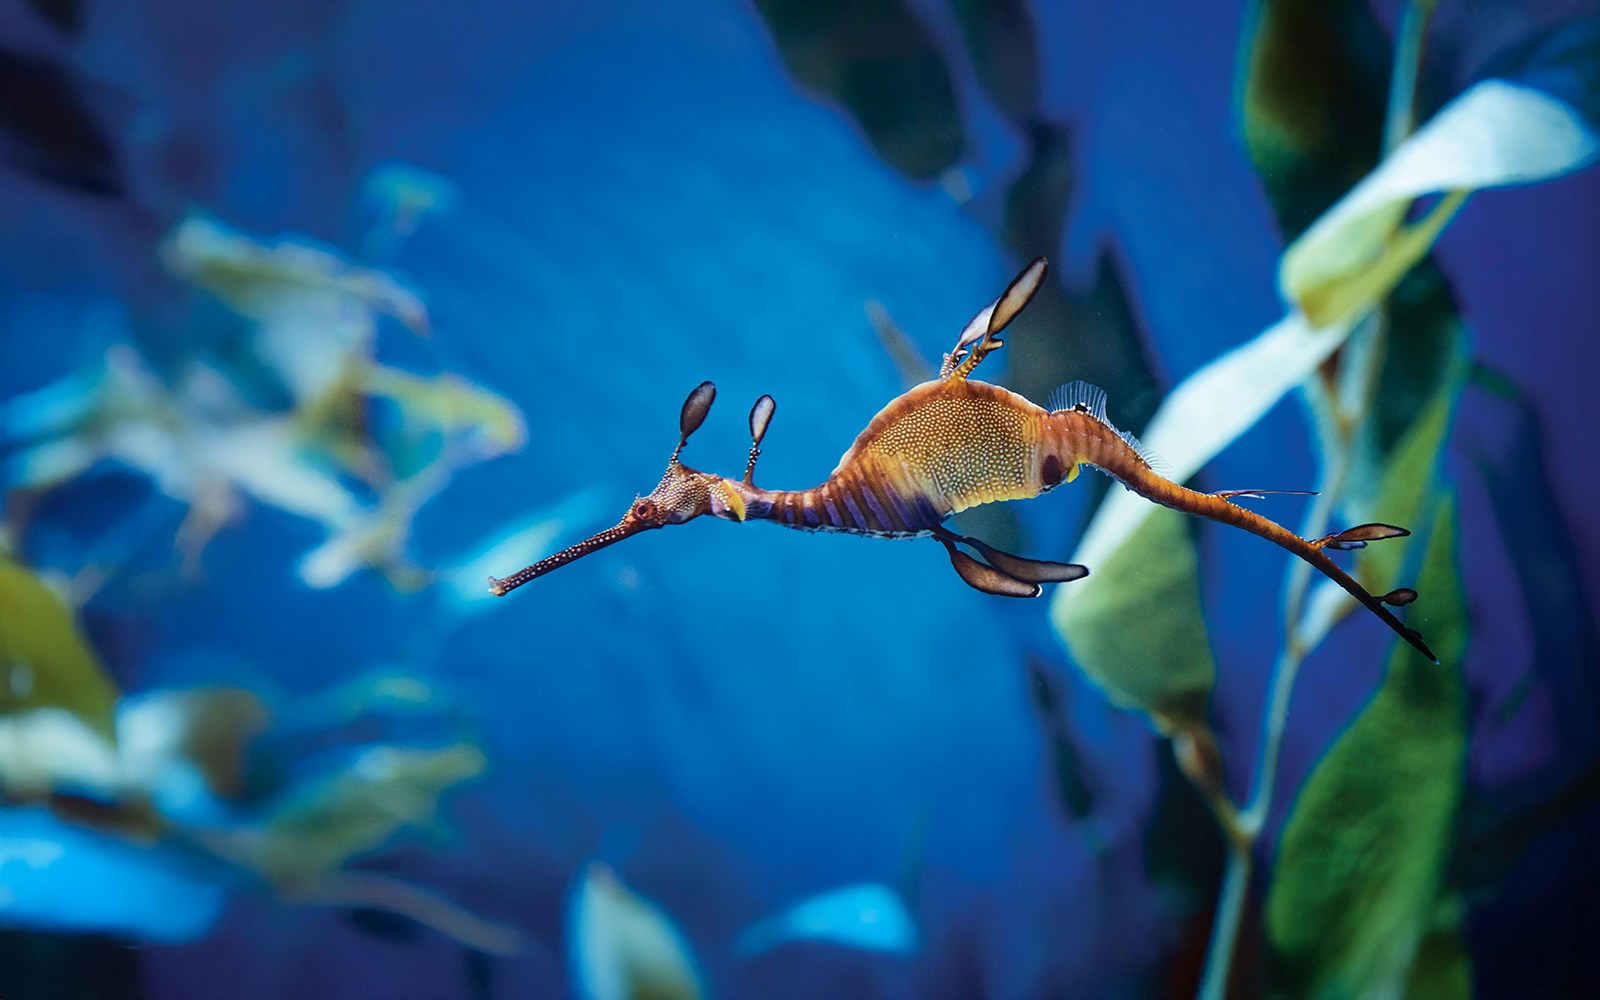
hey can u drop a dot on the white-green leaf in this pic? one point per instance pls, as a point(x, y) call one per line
point(1496, 134)
point(623, 947)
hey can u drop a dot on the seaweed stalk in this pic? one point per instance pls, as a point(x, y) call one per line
point(1302, 632)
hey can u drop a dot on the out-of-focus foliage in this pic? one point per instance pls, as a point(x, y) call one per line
point(177, 782)
point(361, 447)
point(1496, 134)
point(871, 917)
point(1312, 102)
point(899, 90)
point(355, 810)
point(1139, 632)
point(44, 658)
point(623, 947)
point(1358, 880)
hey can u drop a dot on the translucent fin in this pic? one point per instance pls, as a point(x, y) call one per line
point(1358, 536)
point(1261, 494)
point(1075, 395)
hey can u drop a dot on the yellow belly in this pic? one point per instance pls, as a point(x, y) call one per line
point(956, 445)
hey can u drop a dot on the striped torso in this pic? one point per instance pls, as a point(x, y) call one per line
point(939, 448)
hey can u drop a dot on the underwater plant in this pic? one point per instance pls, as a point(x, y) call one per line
point(170, 781)
point(1359, 903)
point(359, 448)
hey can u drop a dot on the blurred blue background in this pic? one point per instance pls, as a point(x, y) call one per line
point(600, 205)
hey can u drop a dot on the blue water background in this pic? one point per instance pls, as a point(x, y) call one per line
point(738, 717)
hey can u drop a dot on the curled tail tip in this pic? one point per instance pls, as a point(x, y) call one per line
point(1414, 637)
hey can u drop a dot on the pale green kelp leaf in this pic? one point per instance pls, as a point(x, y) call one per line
point(264, 278)
point(1139, 632)
point(623, 947)
point(44, 750)
point(1496, 134)
point(468, 416)
point(1358, 876)
point(1405, 490)
point(45, 661)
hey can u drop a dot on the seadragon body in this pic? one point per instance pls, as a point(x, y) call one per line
point(953, 443)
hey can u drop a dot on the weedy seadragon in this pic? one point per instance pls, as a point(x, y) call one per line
point(953, 443)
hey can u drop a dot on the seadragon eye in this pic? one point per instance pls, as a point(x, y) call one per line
point(644, 508)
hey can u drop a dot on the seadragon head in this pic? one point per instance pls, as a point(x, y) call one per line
point(683, 493)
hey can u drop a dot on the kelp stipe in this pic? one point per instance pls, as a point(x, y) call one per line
point(952, 443)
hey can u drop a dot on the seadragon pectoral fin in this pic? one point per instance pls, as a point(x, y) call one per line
point(981, 576)
point(1029, 570)
point(1003, 573)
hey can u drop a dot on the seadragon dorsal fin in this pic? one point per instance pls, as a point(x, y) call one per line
point(1080, 395)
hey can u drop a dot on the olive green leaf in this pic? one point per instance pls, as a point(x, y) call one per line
point(1400, 494)
point(1358, 875)
point(45, 661)
point(1442, 970)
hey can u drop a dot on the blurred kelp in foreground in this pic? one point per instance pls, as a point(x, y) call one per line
point(249, 461)
point(188, 793)
point(308, 421)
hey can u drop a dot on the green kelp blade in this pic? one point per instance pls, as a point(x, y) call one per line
point(1358, 877)
point(1135, 625)
point(45, 661)
point(1442, 970)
